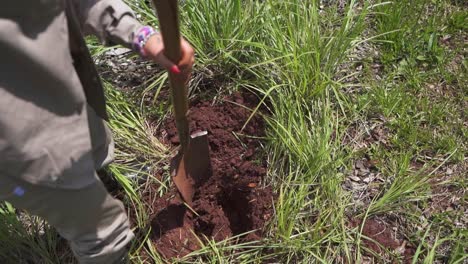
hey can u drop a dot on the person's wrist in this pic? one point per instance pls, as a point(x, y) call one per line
point(142, 37)
point(153, 47)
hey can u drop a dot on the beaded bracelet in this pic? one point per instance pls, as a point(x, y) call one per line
point(141, 38)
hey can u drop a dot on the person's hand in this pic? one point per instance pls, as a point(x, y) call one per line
point(154, 49)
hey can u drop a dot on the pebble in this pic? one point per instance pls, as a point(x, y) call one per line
point(131, 68)
point(368, 179)
point(359, 164)
point(449, 171)
point(355, 178)
point(117, 51)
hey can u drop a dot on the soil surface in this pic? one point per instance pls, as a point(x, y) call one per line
point(231, 201)
point(380, 237)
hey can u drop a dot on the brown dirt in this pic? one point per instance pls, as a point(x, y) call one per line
point(379, 237)
point(232, 201)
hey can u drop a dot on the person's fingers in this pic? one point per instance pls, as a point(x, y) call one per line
point(183, 68)
point(188, 52)
point(188, 58)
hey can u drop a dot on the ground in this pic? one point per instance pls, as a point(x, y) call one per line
point(337, 134)
point(232, 201)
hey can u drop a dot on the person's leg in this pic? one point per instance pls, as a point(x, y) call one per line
point(94, 223)
point(101, 140)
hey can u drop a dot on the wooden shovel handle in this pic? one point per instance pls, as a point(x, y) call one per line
point(167, 11)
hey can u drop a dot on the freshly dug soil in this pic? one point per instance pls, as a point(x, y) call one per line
point(231, 201)
point(381, 237)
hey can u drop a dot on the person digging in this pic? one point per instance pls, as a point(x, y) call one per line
point(53, 135)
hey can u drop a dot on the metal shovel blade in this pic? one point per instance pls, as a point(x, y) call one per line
point(191, 168)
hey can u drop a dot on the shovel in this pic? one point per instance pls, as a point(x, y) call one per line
point(191, 166)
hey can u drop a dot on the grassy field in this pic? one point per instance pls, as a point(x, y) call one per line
point(366, 129)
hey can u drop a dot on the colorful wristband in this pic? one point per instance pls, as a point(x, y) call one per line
point(140, 39)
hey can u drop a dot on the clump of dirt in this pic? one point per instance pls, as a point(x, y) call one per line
point(231, 202)
point(380, 237)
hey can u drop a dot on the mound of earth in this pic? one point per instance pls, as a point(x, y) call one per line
point(231, 202)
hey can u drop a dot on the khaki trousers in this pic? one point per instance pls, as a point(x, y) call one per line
point(95, 224)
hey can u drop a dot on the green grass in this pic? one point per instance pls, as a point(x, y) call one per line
point(383, 81)
point(29, 239)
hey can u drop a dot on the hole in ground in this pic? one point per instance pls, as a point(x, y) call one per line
point(237, 209)
point(203, 227)
point(224, 204)
point(167, 219)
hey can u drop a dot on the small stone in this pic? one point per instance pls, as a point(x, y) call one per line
point(359, 164)
point(368, 179)
point(117, 51)
point(449, 171)
point(252, 185)
point(355, 178)
point(110, 64)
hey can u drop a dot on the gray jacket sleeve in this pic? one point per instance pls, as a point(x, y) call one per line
point(112, 21)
